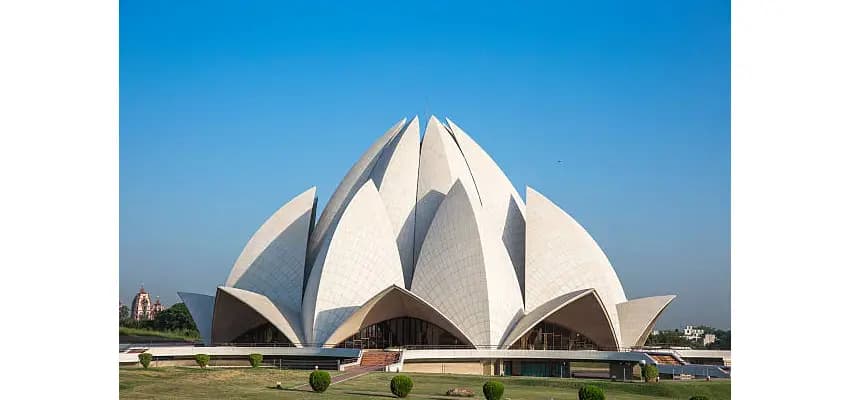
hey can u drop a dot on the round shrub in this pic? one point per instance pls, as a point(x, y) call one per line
point(590, 392)
point(493, 390)
point(649, 372)
point(320, 380)
point(401, 385)
point(255, 359)
point(145, 359)
point(202, 359)
point(698, 398)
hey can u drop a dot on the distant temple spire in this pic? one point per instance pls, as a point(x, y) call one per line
point(142, 308)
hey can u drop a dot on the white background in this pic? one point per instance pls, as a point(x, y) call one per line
point(59, 198)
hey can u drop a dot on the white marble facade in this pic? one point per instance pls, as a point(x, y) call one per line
point(432, 228)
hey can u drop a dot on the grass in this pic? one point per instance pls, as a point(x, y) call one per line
point(177, 335)
point(247, 383)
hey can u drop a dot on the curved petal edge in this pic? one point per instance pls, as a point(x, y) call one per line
point(465, 274)
point(238, 310)
point(272, 263)
point(503, 208)
point(394, 302)
point(395, 174)
point(351, 183)
point(581, 311)
point(358, 261)
point(638, 317)
point(201, 309)
point(561, 257)
point(441, 164)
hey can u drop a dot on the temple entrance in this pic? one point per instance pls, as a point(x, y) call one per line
point(263, 334)
point(549, 336)
point(404, 331)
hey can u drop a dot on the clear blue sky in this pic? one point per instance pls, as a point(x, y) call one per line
point(228, 110)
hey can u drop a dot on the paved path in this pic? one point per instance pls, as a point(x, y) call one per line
point(422, 396)
point(350, 373)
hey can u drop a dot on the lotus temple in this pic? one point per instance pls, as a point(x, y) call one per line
point(427, 259)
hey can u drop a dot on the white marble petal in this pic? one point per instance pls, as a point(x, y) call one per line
point(561, 257)
point(638, 316)
point(201, 308)
point(580, 311)
point(465, 273)
point(358, 261)
point(354, 179)
point(395, 174)
point(272, 263)
point(504, 210)
point(238, 310)
point(394, 302)
point(440, 165)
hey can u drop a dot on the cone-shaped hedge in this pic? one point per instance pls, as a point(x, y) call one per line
point(145, 359)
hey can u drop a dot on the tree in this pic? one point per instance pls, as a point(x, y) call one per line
point(669, 338)
point(674, 337)
point(174, 318)
point(649, 372)
point(123, 313)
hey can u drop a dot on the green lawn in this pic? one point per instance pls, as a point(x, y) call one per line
point(176, 335)
point(245, 383)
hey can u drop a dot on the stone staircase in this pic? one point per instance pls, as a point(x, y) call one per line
point(370, 361)
point(665, 359)
point(379, 358)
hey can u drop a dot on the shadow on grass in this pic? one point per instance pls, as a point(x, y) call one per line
point(290, 389)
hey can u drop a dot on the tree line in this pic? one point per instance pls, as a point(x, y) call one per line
point(174, 318)
point(674, 337)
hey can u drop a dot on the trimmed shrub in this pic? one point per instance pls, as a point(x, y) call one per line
point(493, 390)
point(649, 372)
point(590, 392)
point(255, 359)
point(460, 392)
point(145, 359)
point(202, 359)
point(698, 398)
point(320, 380)
point(401, 385)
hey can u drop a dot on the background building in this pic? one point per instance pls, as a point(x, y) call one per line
point(692, 333)
point(142, 308)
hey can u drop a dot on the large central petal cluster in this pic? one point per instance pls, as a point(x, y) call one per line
point(429, 229)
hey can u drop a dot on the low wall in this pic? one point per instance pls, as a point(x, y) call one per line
point(464, 368)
